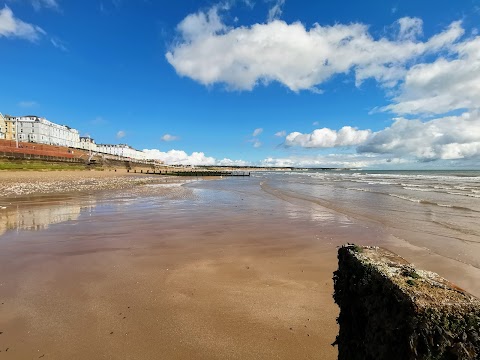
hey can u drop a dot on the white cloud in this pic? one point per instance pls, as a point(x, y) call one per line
point(256, 143)
point(201, 25)
point(276, 10)
point(409, 28)
point(27, 104)
point(257, 132)
point(229, 162)
point(168, 137)
point(332, 161)
point(121, 134)
point(282, 133)
point(446, 138)
point(51, 4)
point(316, 123)
point(242, 57)
point(10, 26)
point(328, 138)
point(442, 85)
point(180, 157)
point(59, 44)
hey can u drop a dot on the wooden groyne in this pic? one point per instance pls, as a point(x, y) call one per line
point(193, 173)
point(390, 310)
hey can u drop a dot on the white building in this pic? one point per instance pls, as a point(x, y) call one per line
point(87, 143)
point(121, 150)
point(3, 127)
point(39, 130)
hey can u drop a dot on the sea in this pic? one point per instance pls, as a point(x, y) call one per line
point(438, 210)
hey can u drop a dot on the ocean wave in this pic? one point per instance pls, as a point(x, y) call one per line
point(418, 189)
point(406, 198)
point(431, 203)
point(464, 194)
point(416, 177)
point(358, 189)
point(380, 183)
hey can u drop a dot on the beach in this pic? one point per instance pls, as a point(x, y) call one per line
point(234, 268)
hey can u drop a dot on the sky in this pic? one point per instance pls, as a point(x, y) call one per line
point(364, 84)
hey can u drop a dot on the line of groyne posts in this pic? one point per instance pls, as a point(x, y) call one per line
point(192, 173)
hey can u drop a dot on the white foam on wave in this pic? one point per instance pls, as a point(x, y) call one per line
point(358, 189)
point(406, 198)
point(463, 194)
point(418, 189)
point(380, 183)
point(445, 205)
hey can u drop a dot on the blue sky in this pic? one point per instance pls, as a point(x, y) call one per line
point(378, 84)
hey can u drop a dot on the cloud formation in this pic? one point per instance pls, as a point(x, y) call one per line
point(446, 138)
point(12, 27)
point(121, 134)
point(257, 132)
point(180, 157)
point(256, 143)
point(443, 85)
point(39, 4)
point(59, 44)
point(168, 137)
point(276, 10)
point(332, 160)
point(27, 103)
point(328, 138)
point(443, 138)
point(242, 57)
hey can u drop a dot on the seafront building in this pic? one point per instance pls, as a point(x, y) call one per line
point(10, 128)
point(3, 127)
point(121, 150)
point(87, 143)
point(39, 130)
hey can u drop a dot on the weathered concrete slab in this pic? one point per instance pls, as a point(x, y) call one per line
point(390, 310)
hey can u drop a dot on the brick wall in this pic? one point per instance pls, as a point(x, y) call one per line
point(25, 150)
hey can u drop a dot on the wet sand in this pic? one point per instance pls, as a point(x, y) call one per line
point(158, 278)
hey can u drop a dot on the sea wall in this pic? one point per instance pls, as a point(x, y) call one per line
point(390, 310)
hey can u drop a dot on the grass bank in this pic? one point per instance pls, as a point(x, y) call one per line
point(38, 165)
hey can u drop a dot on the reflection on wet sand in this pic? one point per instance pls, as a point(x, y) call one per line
point(40, 216)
